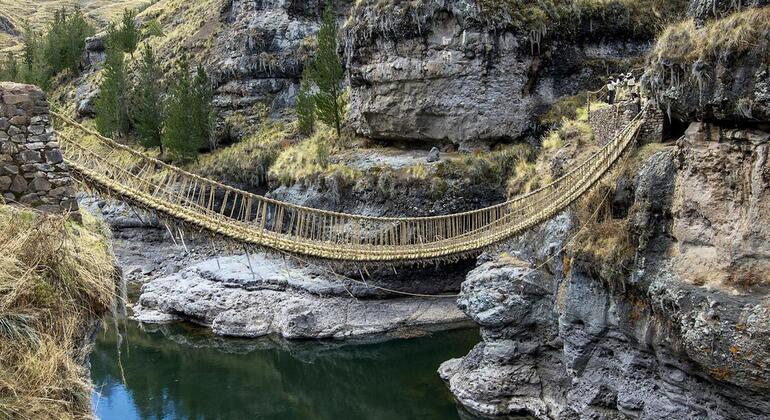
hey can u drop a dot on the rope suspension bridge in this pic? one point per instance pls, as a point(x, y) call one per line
point(122, 172)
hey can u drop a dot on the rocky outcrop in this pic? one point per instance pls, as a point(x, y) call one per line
point(720, 209)
point(447, 71)
point(253, 296)
point(574, 335)
point(32, 169)
point(8, 27)
point(702, 74)
point(257, 59)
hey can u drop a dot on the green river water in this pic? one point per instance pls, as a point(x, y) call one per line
point(183, 372)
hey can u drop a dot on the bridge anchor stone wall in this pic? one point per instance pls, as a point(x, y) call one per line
point(32, 169)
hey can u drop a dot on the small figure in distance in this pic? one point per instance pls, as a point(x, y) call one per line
point(611, 87)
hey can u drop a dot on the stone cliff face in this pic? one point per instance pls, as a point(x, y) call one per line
point(257, 60)
point(715, 72)
point(259, 55)
point(664, 337)
point(444, 71)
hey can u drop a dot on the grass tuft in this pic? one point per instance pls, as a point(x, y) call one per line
point(56, 280)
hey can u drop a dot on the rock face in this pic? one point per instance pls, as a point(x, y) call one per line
point(700, 75)
point(720, 183)
point(575, 336)
point(8, 27)
point(32, 170)
point(441, 73)
point(258, 58)
point(252, 296)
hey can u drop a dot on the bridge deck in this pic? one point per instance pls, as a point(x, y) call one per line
point(123, 172)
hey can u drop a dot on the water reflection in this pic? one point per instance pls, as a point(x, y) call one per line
point(182, 372)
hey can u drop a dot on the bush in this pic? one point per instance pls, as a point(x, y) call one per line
point(684, 43)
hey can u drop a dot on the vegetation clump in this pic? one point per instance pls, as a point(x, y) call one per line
point(248, 161)
point(685, 43)
point(572, 139)
point(311, 159)
point(56, 281)
point(55, 51)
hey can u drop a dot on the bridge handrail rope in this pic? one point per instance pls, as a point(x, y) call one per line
point(320, 233)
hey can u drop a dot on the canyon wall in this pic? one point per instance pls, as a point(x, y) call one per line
point(677, 328)
point(657, 308)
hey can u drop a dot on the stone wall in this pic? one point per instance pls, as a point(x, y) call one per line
point(32, 170)
point(608, 121)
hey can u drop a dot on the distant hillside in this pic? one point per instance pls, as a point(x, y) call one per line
point(13, 14)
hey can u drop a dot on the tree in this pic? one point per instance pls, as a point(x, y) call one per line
point(128, 34)
point(326, 73)
point(147, 104)
point(65, 40)
point(305, 106)
point(188, 114)
point(10, 69)
point(112, 105)
point(202, 108)
point(33, 67)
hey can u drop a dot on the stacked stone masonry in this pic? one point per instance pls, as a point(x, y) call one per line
point(32, 169)
point(606, 122)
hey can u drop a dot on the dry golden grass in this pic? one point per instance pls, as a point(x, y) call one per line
point(39, 12)
point(56, 279)
point(736, 34)
point(248, 161)
point(188, 29)
point(312, 158)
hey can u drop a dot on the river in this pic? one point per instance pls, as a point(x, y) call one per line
point(183, 372)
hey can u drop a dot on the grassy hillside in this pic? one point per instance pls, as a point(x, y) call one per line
point(40, 12)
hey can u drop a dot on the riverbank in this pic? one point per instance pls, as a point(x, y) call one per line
point(172, 276)
point(56, 282)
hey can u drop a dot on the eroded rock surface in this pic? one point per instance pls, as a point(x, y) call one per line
point(440, 72)
point(252, 296)
point(577, 337)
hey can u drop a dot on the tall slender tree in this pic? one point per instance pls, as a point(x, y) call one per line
point(326, 73)
point(112, 105)
point(305, 105)
point(147, 104)
point(202, 108)
point(33, 67)
point(188, 114)
point(128, 33)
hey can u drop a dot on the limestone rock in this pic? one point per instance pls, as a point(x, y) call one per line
point(270, 298)
point(434, 155)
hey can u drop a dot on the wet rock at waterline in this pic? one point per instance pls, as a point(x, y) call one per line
point(258, 295)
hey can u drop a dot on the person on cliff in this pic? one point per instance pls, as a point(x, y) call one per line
point(611, 87)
